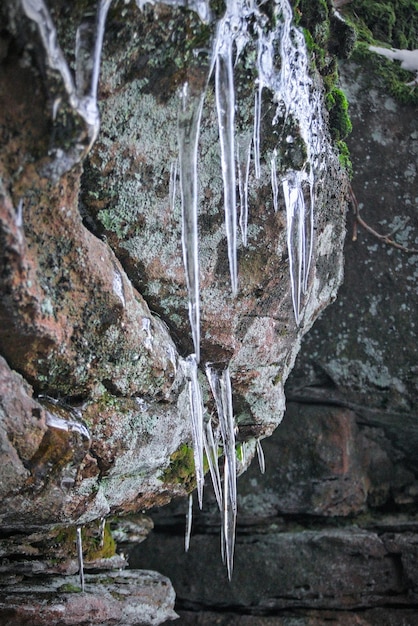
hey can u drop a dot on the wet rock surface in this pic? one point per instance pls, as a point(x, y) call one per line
point(94, 301)
point(333, 522)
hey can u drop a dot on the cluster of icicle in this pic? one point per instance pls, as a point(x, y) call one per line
point(292, 90)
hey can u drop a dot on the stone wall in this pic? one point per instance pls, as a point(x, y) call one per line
point(330, 532)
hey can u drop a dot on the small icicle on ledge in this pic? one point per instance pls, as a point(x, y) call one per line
point(219, 207)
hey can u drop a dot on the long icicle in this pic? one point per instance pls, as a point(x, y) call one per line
point(190, 369)
point(225, 105)
point(189, 521)
point(211, 449)
point(260, 455)
point(188, 137)
point(243, 162)
point(220, 384)
point(80, 557)
point(295, 212)
point(274, 182)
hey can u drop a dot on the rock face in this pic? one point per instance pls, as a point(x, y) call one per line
point(94, 325)
point(333, 521)
point(93, 303)
point(124, 598)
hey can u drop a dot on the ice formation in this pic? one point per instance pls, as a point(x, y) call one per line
point(189, 128)
point(290, 85)
point(260, 455)
point(220, 384)
point(191, 372)
point(297, 101)
point(81, 92)
point(80, 557)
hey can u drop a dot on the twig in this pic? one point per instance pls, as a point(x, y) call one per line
point(384, 238)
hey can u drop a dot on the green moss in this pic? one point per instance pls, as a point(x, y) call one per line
point(339, 121)
point(95, 545)
point(387, 74)
point(344, 157)
point(327, 37)
point(388, 23)
point(392, 21)
point(181, 469)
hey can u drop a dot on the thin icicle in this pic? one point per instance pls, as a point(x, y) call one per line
point(102, 11)
point(256, 129)
point(196, 415)
point(227, 426)
point(189, 129)
point(260, 455)
point(211, 449)
point(102, 531)
point(274, 182)
point(225, 105)
point(80, 557)
point(309, 234)
point(220, 384)
point(295, 214)
point(173, 184)
point(222, 392)
point(229, 521)
point(189, 521)
point(244, 160)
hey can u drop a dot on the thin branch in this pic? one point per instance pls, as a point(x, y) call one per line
point(384, 238)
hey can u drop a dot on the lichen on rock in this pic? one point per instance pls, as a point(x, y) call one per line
point(94, 295)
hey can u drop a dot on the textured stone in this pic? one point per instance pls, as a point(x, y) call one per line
point(350, 424)
point(140, 598)
point(337, 568)
point(93, 307)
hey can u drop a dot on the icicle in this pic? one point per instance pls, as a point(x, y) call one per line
point(256, 130)
point(37, 11)
point(229, 520)
point(19, 214)
point(309, 234)
point(295, 212)
point(243, 453)
point(274, 182)
point(103, 9)
point(211, 449)
point(53, 421)
point(189, 128)
point(84, 103)
point(102, 531)
point(244, 160)
point(196, 414)
point(80, 557)
point(225, 105)
point(222, 392)
point(260, 455)
point(189, 520)
point(173, 184)
point(146, 327)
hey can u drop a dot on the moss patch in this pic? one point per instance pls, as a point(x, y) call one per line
point(391, 23)
point(95, 544)
point(328, 37)
point(337, 105)
point(181, 469)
